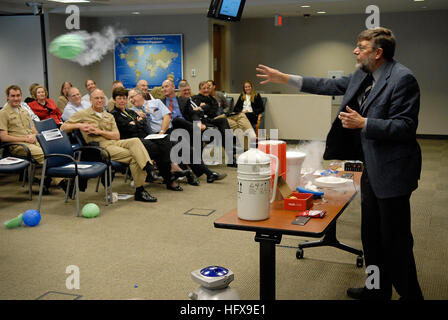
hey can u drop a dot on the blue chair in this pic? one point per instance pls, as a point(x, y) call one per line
point(20, 167)
point(59, 161)
point(45, 125)
point(104, 157)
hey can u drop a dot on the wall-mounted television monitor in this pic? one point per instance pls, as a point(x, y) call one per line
point(230, 10)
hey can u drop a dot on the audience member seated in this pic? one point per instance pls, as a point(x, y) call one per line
point(31, 91)
point(26, 107)
point(142, 85)
point(250, 103)
point(91, 86)
point(131, 125)
point(98, 126)
point(75, 103)
point(111, 103)
point(44, 107)
point(158, 118)
point(184, 89)
point(219, 97)
point(209, 106)
point(16, 125)
point(236, 120)
point(63, 98)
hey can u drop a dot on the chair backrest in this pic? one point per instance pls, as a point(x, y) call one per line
point(230, 102)
point(264, 99)
point(45, 125)
point(60, 145)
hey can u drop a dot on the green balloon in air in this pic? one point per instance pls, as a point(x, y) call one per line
point(67, 46)
point(90, 210)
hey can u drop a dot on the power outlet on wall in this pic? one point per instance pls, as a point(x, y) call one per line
point(336, 100)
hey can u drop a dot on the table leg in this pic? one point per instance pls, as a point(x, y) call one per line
point(267, 264)
point(331, 240)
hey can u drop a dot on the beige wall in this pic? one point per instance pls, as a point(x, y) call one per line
point(311, 120)
point(304, 46)
point(60, 70)
point(319, 44)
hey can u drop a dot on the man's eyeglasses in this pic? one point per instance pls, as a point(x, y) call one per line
point(364, 48)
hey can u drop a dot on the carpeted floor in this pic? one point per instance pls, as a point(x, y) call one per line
point(146, 251)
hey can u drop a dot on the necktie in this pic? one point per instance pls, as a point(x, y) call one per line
point(368, 84)
point(170, 107)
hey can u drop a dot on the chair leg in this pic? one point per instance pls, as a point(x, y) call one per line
point(30, 182)
point(77, 195)
point(98, 184)
point(110, 185)
point(106, 187)
point(42, 178)
point(126, 175)
point(69, 182)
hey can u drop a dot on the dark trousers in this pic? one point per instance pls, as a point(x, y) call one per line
point(387, 241)
point(199, 168)
point(159, 151)
point(253, 118)
point(221, 124)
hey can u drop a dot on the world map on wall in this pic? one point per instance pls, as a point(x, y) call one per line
point(152, 58)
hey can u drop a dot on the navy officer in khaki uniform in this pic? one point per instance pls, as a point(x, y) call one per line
point(16, 125)
point(96, 125)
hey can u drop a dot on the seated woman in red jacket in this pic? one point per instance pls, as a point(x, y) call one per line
point(44, 107)
point(250, 103)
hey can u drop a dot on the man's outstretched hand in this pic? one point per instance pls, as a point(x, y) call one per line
point(271, 75)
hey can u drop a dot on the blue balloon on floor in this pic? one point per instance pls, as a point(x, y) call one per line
point(31, 218)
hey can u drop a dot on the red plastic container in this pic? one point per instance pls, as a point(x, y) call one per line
point(303, 202)
point(277, 148)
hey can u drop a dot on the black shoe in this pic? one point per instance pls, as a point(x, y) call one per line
point(151, 176)
point(366, 294)
point(144, 196)
point(215, 176)
point(176, 188)
point(233, 165)
point(181, 173)
point(192, 179)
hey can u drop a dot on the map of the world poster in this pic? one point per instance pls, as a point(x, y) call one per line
point(148, 57)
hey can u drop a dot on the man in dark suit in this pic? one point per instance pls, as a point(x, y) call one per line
point(377, 124)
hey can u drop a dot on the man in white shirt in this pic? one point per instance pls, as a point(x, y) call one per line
point(75, 103)
point(90, 86)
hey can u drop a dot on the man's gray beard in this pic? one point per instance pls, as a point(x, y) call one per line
point(368, 66)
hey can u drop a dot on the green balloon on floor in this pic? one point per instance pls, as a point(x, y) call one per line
point(14, 223)
point(67, 46)
point(90, 210)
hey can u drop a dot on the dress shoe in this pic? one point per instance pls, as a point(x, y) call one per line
point(366, 294)
point(181, 173)
point(172, 188)
point(144, 196)
point(215, 176)
point(192, 179)
point(152, 176)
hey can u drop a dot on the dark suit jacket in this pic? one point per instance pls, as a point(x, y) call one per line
point(186, 109)
point(127, 130)
point(390, 151)
point(211, 107)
